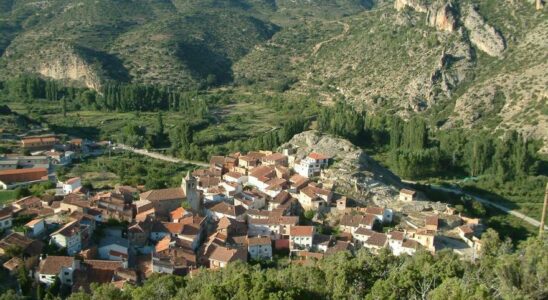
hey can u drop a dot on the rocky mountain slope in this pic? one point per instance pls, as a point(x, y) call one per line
point(352, 171)
point(477, 64)
point(463, 63)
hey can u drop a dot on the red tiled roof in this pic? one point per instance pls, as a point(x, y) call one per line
point(69, 229)
point(164, 194)
point(301, 230)
point(227, 209)
point(432, 220)
point(72, 180)
point(228, 255)
point(262, 171)
point(375, 210)
point(52, 265)
point(177, 213)
point(357, 220)
point(275, 157)
point(408, 192)
point(377, 239)
point(410, 244)
point(5, 212)
point(396, 235)
point(317, 156)
point(234, 175)
point(364, 231)
point(259, 240)
point(21, 175)
point(31, 223)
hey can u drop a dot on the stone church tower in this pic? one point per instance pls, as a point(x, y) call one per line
point(189, 186)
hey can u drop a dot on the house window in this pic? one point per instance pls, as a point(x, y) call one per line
point(66, 273)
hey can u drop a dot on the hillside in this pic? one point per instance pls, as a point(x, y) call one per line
point(461, 63)
point(477, 67)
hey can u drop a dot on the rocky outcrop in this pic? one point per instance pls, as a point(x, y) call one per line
point(67, 65)
point(352, 171)
point(442, 17)
point(483, 35)
point(417, 5)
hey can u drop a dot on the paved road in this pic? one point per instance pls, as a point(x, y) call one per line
point(159, 156)
point(482, 200)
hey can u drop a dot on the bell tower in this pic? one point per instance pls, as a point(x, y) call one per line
point(189, 186)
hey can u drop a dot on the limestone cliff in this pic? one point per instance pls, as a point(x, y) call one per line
point(439, 14)
point(67, 65)
point(483, 35)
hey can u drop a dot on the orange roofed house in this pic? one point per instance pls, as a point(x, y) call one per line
point(312, 164)
point(17, 177)
point(39, 142)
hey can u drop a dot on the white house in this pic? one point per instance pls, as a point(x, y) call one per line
point(69, 237)
point(312, 197)
point(395, 242)
point(262, 227)
point(361, 235)
point(259, 176)
point(223, 209)
point(113, 248)
point(376, 241)
point(301, 237)
point(384, 215)
point(409, 247)
point(312, 164)
point(6, 218)
point(407, 195)
point(57, 266)
point(259, 247)
point(250, 199)
point(69, 186)
point(36, 227)
point(235, 177)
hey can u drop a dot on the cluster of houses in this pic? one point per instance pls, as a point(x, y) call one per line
point(43, 154)
point(243, 207)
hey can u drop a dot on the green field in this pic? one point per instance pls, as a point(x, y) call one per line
point(7, 196)
point(127, 168)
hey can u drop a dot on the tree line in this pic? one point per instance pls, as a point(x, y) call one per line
point(112, 96)
point(416, 150)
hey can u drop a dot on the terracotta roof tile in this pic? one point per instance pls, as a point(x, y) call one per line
point(259, 240)
point(52, 265)
point(377, 239)
point(301, 230)
point(317, 156)
point(163, 194)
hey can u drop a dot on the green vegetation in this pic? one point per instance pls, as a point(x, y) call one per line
point(128, 169)
point(7, 196)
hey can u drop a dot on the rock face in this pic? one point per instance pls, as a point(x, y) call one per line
point(352, 172)
point(69, 66)
point(439, 14)
point(417, 5)
point(483, 35)
point(442, 17)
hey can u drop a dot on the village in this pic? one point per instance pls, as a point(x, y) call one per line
point(252, 207)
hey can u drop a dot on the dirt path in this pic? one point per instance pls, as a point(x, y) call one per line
point(159, 156)
point(482, 200)
point(318, 46)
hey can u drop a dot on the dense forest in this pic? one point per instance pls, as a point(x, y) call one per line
point(501, 272)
